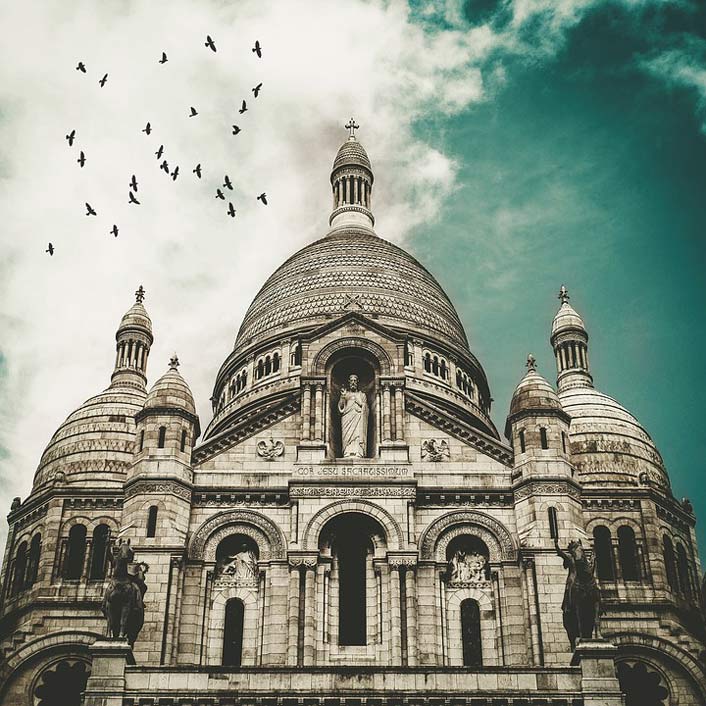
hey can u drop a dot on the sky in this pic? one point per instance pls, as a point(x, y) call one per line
point(517, 145)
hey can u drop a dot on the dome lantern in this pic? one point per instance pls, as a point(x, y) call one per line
point(352, 183)
point(569, 340)
point(133, 343)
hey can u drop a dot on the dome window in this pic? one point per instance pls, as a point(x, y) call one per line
point(670, 563)
point(523, 443)
point(427, 362)
point(603, 548)
point(543, 437)
point(142, 440)
point(18, 580)
point(75, 553)
point(152, 521)
point(275, 363)
point(35, 550)
point(162, 437)
point(99, 552)
point(683, 569)
point(182, 446)
point(627, 554)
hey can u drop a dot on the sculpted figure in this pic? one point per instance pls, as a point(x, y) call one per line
point(123, 604)
point(241, 566)
point(467, 568)
point(582, 597)
point(353, 406)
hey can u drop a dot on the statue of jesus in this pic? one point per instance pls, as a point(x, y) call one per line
point(353, 406)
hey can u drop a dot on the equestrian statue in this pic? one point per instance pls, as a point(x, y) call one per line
point(582, 597)
point(123, 604)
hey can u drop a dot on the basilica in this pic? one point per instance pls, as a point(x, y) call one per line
point(350, 527)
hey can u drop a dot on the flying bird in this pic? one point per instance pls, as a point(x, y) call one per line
point(89, 210)
point(209, 43)
point(193, 112)
point(197, 170)
point(243, 108)
point(133, 183)
point(257, 49)
point(175, 173)
point(236, 129)
point(81, 159)
point(81, 67)
point(114, 230)
point(132, 199)
point(256, 90)
point(147, 129)
point(50, 249)
point(164, 166)
point(228, 183)
point(263, 197)
point(102, 82)
point(219, 195)
point(160, 151)
point(231, 210)
point(164, 59)
point(70, 137)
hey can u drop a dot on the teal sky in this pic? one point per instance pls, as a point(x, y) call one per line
point(587, 170)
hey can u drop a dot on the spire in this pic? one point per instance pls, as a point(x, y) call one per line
point(133, 342)
point(352, 183)
point(569, 340)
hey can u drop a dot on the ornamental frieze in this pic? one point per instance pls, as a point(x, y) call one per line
point(317, 491)
point(161, 487)
point(568, 489)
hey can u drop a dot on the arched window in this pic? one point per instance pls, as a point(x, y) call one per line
point(435, 366)
point(18, 581)
point(183, 440)
point(260, 369)
point(670, 565)
point(683, 569)
point(162, 437)
point(297, 355)
point(563, 441)
point(245, 378)
point(427, 362)
point(35, 550)
point(443, 370)
point(627, 554)
point(152, 521)
point(408, 356)
point(459, 380)
point(268, 365)
point(523, 445)
point(275, 362)
point(470, 633)
point(99, 552)
point(553, 523)
point(75, 553)
point(543, 437)
point(602, 546)
point(233, 633)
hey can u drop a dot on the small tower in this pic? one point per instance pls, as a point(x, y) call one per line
point(157, 504)
point(352, 184)
point(569, 340)
point(133, 341)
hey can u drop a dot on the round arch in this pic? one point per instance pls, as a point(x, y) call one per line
point(261, 529)
point(441, 531)
point(321, 361)
point(394, 536)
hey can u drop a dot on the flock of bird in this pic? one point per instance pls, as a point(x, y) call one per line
point(164, 165)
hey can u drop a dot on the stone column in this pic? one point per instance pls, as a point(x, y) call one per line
point(318, 412)
point(531, 598)
point(106, 685)
point(293, 615)
point(306, 411)
point(399, 409)
point(309, 617)
point(395, 622)
point(386, 425)
point(599, 679)
point(410, 578)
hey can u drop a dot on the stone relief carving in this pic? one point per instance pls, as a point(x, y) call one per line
point(435, 450)
point(467, 569)
point(237, 569)
point(270, 449)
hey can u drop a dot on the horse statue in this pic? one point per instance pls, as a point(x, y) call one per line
point(123, 604)
point(582, 597)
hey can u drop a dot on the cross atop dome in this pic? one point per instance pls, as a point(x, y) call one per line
point(351, 126)
point(140, 294)
point(564, 294)
point(531, 362)
point(174, 362)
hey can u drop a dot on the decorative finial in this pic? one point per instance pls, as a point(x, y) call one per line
point(563, 294)
point(140, 294)
point(531, 363)
point(351, 126)
point(174, 362)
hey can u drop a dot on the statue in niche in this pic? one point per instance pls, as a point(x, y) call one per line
point(353, 407)
point(467, 568)
point(240, 567)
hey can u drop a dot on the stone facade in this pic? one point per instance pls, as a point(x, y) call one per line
point(424, 572)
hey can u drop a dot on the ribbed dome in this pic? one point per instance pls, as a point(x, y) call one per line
point(351, 153)
point(534, 393)
point(136, 317)
point(171, 391)
point(567, 318)
point(95, 443)
point(351, 270)
point(608, 445)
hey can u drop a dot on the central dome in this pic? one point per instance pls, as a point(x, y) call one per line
point(349, 270)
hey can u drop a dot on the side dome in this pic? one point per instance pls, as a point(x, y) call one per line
point(95, 443)
point(351, 154)
point(534, 393)
point(351, 270)
point(608, 444)
point(171, 392)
